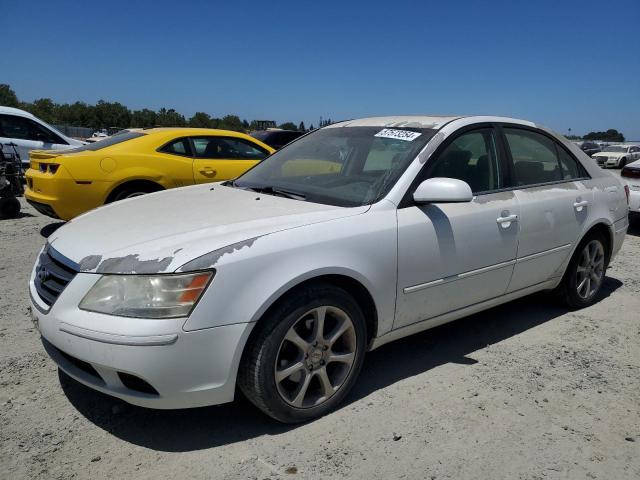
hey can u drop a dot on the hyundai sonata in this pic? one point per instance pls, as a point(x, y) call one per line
point(350, 237)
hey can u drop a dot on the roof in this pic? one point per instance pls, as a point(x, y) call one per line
point(15, 111)
point(187, 131)
point(407, 121)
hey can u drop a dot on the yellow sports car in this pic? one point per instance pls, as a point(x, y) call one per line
point(65, 183)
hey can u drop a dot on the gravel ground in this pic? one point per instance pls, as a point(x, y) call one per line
point(527, 390)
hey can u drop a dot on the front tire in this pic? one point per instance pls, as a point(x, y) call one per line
point(623, 163)
point(585, 274)
point(305, 354)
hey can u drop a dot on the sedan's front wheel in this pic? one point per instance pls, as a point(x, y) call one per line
point(305, 355)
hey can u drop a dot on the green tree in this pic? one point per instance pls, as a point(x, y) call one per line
point(311, 127)
point(301, 127)
point(170, 118)
point(610, 135)
point(43, 108)
point(77, 114)
point(111, 114)
point(288, 126)
point(143, 118)
point(200, 120)
point(231, 122)
point(8, 97)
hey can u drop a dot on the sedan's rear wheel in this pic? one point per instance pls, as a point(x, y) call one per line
point(585, 274)
point(305, 354)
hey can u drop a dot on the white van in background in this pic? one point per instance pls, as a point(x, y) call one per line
point(28, 133)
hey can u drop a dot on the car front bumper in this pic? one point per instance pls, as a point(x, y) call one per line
point(150, 363)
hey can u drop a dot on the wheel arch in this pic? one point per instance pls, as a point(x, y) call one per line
point(132, 182)
point(351, 285)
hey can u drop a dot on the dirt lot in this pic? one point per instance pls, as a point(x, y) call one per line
point(527, 390)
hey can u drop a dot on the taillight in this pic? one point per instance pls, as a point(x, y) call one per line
point(626, 192)
point(630, 172)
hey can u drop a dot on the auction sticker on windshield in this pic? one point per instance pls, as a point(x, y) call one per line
point(405, 135)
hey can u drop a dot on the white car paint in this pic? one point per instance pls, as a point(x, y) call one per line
point(422, 266)
point(634, 187)
point(41, 135)
point(608, 158)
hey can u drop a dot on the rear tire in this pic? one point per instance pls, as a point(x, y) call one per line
point(585, 273)
point(293, 373)
point(9, 207)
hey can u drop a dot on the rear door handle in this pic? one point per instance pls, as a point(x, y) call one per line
point(506, 221)
point(580, 205)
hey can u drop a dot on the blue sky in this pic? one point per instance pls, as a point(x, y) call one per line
point(565, 64)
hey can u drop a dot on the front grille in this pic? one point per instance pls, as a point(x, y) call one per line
point(53, 274)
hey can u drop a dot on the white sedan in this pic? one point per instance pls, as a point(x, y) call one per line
point(350, 237)
point(617, 155)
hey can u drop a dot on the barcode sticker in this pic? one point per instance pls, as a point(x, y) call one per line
point(405, 135)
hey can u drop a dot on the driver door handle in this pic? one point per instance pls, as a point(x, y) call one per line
point(208, 172)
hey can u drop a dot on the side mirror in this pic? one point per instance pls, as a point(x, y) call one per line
point(443, 190)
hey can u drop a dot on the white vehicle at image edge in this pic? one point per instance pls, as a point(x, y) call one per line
point(352, 236)
point(28, 133)
point(631, 174)
point(617, 155)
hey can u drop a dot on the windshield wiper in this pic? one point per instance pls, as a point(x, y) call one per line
point(268, 190)
point(271, 190)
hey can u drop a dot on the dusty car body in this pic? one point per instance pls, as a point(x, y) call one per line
point(454, 232)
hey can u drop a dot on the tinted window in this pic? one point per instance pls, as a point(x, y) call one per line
point(227, 148)
point(25, 129)
point(470, 157)
point(107, 142)
point(178, 147)
point(534, 157)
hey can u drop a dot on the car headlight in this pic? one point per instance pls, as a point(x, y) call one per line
point(146, 296)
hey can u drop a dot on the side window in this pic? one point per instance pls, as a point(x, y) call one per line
point(635, 149)
point(227, 148)
point(570, 167)
point(534, 157)
point(177, 147)
point(471, 157)
point(25, 129)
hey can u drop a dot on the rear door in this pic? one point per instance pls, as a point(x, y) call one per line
point(554, 203)
point(451, 255)
point(219, 158)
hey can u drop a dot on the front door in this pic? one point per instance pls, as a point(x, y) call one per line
point(451, 255)
point(223, 158)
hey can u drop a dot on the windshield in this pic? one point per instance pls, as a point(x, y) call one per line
point(343, 166)
point(107, 142)
point(616, 148)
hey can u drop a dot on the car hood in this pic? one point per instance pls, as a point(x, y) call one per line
point(162, 231)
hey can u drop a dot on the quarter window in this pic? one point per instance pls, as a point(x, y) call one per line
point(178, 147)
point(534, 157)
point(570, 168)
point(227, 148)
point(471, 157)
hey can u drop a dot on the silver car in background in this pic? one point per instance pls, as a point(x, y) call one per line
point(350, 237)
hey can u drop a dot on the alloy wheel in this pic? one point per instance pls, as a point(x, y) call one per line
point(590, 270)
point(315, 357)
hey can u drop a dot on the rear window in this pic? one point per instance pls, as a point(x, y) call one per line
point(107, 142)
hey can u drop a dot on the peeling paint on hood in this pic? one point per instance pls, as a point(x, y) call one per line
point(162, 231)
